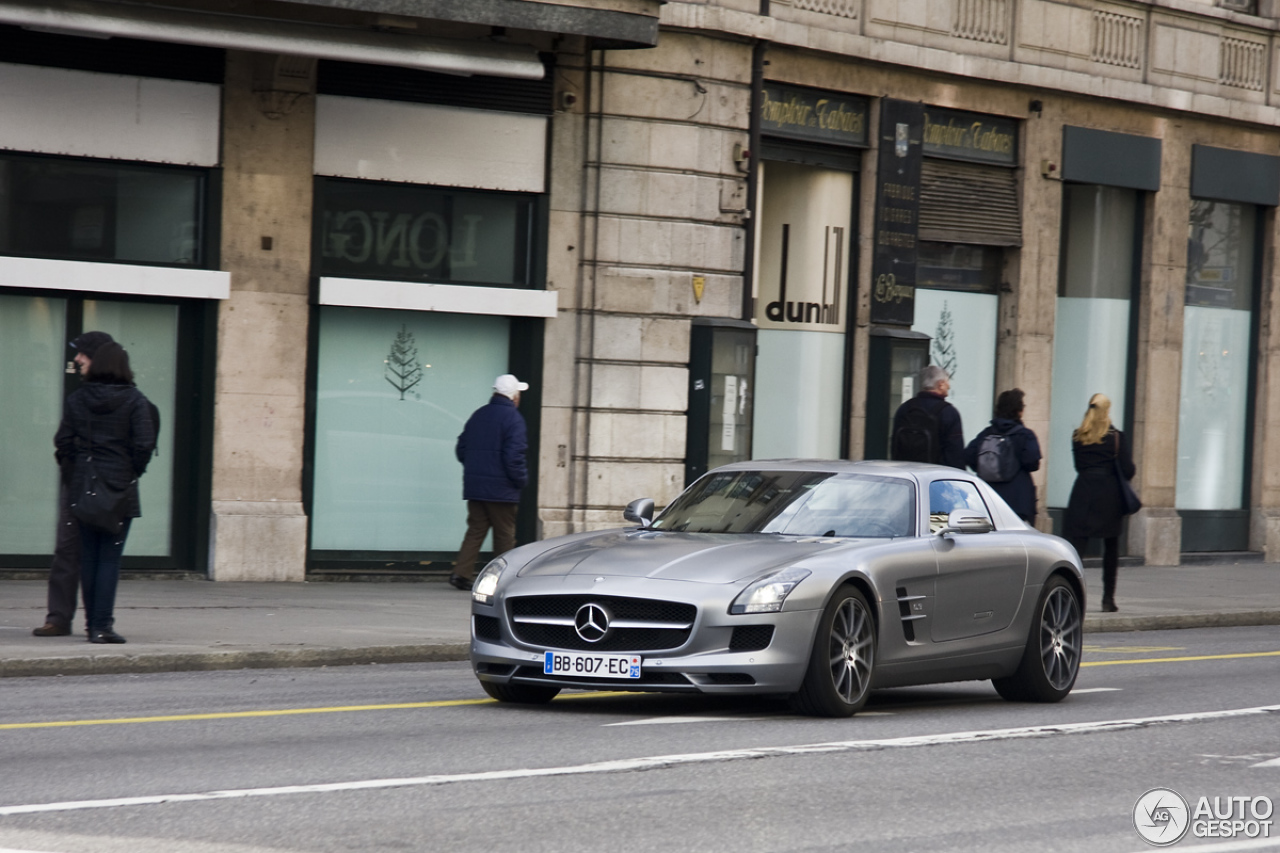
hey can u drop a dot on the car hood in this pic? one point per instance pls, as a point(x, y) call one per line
point(697, 557)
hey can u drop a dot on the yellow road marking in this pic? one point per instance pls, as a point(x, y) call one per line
point(1182, 659)
point(451, 703)
point(1134, 650)
point(282, 712)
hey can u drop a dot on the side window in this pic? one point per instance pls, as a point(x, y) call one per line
point(946, 496)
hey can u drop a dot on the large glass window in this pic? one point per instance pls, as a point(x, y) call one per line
point(32, 342)
point(393, 392)
point(1091, 332)
point(1216, 331)
point(957, 306)
point(149, 331)
point(405, 232)
point(94, 211)
point(804, 240)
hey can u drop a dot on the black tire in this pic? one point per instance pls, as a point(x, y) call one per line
point(524, 694)
point(1051, 660)
point(837, 680)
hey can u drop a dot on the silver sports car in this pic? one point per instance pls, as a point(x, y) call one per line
point(815, 579)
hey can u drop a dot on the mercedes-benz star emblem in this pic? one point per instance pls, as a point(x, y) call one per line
point(592, 622)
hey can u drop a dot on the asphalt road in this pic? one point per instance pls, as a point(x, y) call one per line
point(413, 757)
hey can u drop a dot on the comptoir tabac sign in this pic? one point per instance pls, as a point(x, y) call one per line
point(813, 114)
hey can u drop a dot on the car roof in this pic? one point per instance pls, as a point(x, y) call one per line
point(882, 467)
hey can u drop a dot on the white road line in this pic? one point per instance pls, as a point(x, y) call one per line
point(1275, 762)
point(1096, 690)
point(1224, 847)
point(660, 721)
point(657, 762)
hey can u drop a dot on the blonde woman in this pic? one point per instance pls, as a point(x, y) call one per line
point(1096, 508)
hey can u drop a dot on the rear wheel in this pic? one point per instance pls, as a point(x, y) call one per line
point(1051, 660)
point(838, 678)
point(524, 694)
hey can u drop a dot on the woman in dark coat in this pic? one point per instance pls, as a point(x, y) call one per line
point(106, 424)
point(1019, 493)
point(1096, 507)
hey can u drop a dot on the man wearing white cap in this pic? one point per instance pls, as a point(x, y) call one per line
point(491, 450)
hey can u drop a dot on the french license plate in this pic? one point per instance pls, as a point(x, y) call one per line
point(591, 666)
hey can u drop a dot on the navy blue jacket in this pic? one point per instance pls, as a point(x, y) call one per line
point(1020, 492)
point(491, 450)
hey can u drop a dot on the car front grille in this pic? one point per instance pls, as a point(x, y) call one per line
point(636, 624)
point(750, 638)
point(486, 628)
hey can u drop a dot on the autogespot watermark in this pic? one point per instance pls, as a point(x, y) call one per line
point(1163, 817)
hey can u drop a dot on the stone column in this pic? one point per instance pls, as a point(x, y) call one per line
point(1155, 533)
point(1028, 309)
point(259, 529)
point(662, 206)
point(1264, 526)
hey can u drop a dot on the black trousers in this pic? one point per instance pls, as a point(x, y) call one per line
point(64, 573)
point(1110, 561)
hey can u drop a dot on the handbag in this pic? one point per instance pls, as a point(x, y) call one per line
point(1128, 497)
point(94, 501)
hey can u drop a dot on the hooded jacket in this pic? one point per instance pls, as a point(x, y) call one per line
point(1020, 492)
point(112, 425)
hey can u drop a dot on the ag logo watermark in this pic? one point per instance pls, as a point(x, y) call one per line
point(1163, 817)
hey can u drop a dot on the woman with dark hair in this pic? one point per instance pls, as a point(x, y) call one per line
point(1096, 506)
point(1023, 449)
point(106, 436)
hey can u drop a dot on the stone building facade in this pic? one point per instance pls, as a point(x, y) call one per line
point(368, 207)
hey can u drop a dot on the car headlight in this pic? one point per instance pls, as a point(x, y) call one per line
point(487, 581)
point(767, 594)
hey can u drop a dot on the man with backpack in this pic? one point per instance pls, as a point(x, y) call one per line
point(927, 428)
point(1005, 453)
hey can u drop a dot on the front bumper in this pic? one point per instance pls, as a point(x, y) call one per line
point(704, 663)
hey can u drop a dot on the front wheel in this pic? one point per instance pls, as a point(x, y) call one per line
point(524, 694)
point(1051, 660)
point(838, 678)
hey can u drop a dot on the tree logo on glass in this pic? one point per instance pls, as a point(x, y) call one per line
point(402, 368)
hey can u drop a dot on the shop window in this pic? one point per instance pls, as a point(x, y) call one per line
point(99, 211)
point(804, 239)
point(1091, 332)
point(1217, 328)
point(393, 392)
point(32, 331)
point(957, 306)
point(402, 232)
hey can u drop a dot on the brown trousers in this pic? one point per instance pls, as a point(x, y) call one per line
point(481, 515)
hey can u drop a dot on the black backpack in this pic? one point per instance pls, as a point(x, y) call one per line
point(998, 458)
point(916, 437)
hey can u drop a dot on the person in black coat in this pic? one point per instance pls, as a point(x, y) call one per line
point(948, 442)
point(106, 425)
point(1019, 493)
point(1096, 507)
point(494, 471)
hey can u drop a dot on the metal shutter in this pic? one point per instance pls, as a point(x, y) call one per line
point(965, 203)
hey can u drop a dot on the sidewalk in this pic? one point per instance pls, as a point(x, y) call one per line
point(184, 625)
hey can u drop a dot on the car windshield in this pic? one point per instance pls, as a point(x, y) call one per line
point(797, 503)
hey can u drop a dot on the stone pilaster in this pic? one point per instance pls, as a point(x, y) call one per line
point(258, 528)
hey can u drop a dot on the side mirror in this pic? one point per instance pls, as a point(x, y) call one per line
point(640, 511)
point(966, 521)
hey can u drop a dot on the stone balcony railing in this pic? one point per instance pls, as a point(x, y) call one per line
point(1199, 55)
